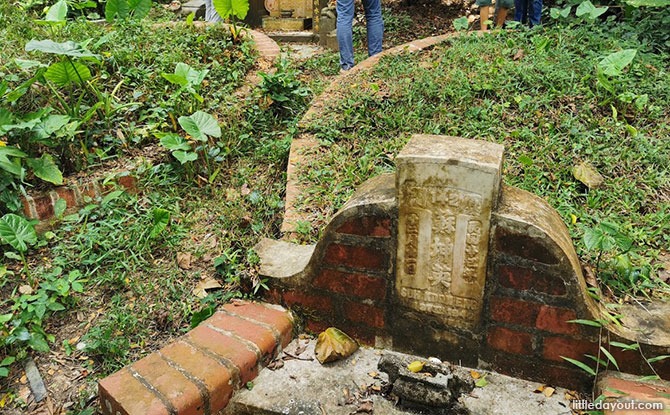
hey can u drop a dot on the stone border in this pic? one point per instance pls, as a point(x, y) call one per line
point(306, 141)
point(198, 373)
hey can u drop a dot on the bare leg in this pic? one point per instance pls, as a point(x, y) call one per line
point(483, 18)
point(502, 16)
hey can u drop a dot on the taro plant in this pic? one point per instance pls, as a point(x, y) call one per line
point(189, 80)
point(232, 10)
point(18, 233)
point(196, 152)
point(127, 9)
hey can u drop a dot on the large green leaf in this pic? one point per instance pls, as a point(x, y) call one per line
point(174, 142)
point(67, 72)
point(57, 12)
point(11, 166)
point(193, 76)
point(139, 8)
point(50, 125)
point(590, 11)
point(614, 64)
point(200, 125)
point(46, 169)
point(17, 232)
point(161, 219)
point(68, 48)
point(184, 156)
point(116, 8)
point(228, 8)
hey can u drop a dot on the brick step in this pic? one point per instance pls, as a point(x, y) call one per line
point(199, 372)
point(629, 395)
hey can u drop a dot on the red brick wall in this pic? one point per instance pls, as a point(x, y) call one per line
point(350, 276)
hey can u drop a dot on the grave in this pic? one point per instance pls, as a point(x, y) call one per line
point(441, 259)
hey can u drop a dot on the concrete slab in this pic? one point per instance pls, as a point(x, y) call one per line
point(305, 387)
point(288, 36)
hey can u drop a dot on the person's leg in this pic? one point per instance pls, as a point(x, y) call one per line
point(520, 10)
point(375, 25)
point(501, 16)
point(535, 12)
point(345, 18)
point(483, 17)
point(484, 10)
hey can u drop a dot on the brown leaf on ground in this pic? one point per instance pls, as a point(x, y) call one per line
point(519, 55)
point(365, 407)
point(26, 289)
point(200, 290)
point(333, 344)
point(184, 260)
point(587, 174)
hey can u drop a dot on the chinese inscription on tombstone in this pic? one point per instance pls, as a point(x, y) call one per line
point(447, 188)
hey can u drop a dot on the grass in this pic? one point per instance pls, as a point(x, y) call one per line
point(537, 93)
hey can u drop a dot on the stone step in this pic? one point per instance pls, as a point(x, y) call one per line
point(199, 372)
point(305, 36)
point(628, 394)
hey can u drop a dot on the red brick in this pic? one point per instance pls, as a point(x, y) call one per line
point(510, 341)
point(27, 210)
point(182, 393)
point(555, 347)
point(523, 246)
point(619, 387)
point(356, 257)
point(121, 393)
point(526, 279)
point(351, 284)
point(44, 207)
point(261, 336)
point(508, 310)
point(556, 319)
point(67, 194)
point(88, 190)
point(313, 302)
point(127, 182)
point(280, 319)
point(226, 347)
point(367, 226)
point(365, 314)
point(215, 376)
point(316, 326)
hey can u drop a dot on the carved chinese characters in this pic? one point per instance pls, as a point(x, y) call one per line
point(447, 188)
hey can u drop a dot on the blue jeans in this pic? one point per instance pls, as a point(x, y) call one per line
point(528, 11)
point(375, 28)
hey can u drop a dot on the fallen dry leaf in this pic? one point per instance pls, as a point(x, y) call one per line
point(184, 260)
point(365, 407)
point(26, 289)
point(475, 374)
point(373, 375)
point(333, 344)
point(587, 174)
point(201, 288)
point(518, 55)
point(245, 190)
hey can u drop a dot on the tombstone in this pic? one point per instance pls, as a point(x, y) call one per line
point(447, 188)
point(288, 15)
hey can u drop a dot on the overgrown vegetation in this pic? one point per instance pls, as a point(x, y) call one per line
point(128, 271)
